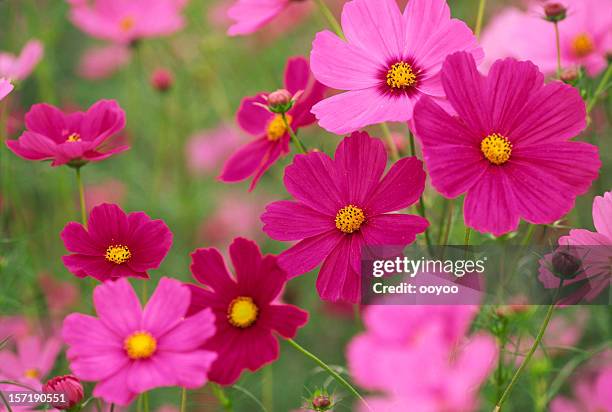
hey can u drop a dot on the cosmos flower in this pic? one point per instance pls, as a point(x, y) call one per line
point(103, 62)
point(585, 36)
point(128, 350)
point(115, 244)
point(508, 149)
point(127, 21)
point(107, 191)
point(245, 308)
point(248, 16)
point(420, 359)
point(272, 137)
point(75, 138)
point(19, 67)
point(388, 61)
point(206, 151)
point(591, 394)
point(343, 204)
point(5, 88)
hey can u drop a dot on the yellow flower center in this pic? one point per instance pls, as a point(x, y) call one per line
point(74, 137)
point(276, 128)
point(140, 345)
point(401, 76)
point(496, 148)
point(349, 219)
point(242, 312)
point(127, 23)
point(32, 374)
point(583, 45)
point(118, 254)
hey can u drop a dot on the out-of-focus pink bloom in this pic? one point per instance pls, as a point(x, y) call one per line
point(585, 36)
point(127, 21)
point(19, 67)
point(420, 358)
point(249, 16)
point(5, 88)
point(59, 295)
point(108, 191)
point(162, 79)
point(206, 151)
point(14, 327)
point(167, 408)
point(591, 394)
point(32, 362)
point(68, 386)
point(102, 62)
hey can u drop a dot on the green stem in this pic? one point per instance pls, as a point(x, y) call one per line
point(528, 235)
point(390, 143)
point(81, 197)
point(331, 19)
point(8, 406)
point(466, 239)
point(183, 399)
point(479, 17)
point(144, 292)
point(224, 401)
point(145, 401)
point(294, 137)
point(558, 45)
point(601, 88)
point(330, 371)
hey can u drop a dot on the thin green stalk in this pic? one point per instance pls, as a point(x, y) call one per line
point(421, 209)
point(390, 143)
point(183, 399)
point(479, 17)
point(8, 406)
point(330, 371)
point(558, 45)
point(528, 235)
point(224, 401)
point(144, 292)
point(294, 137)
point(412, 146)
point(145, 401)
point(449, 222)
point(466, 239)
point(81, 197)
point(99, 404)
point(331, 19)
point(601, 88)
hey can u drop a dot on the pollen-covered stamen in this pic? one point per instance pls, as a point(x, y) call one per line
point(118, 254)
point(401, 76)
point(140, 345)
point(127, 23)
point(74, 137)
point(349, 219)
point(242, 312)
point(496, 148)
point(32, 373)
point(583, 45)
point(276, 127)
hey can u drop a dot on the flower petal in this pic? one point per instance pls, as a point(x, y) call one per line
point(285, 319)
point(307, 254)
point(393, 229)
point(115, 389)
point(189, 334)
point(289, 220)
point(166, 307)
point(208, 268)
point(77, 240)
point(602, 214)
point(118, 307)
point(253, 118)
point(338, 280)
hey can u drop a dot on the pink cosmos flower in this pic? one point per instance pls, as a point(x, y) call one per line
point(108, 191)
point(585, 36)
point(592, 394)
point(343, 204)
point(32, 362)
point(594, 249)
point(508, 149)
point(128, 350)
point(207, 150)
point(115, 244)
point(19, 67)
point(420, 358)
point(75, 138)
point(389, 60)
point(59, 295)
point(250, 15)
point(125, 22)
point(272, 141)
point(244, 307)
point(5, 88)
point(102, 62)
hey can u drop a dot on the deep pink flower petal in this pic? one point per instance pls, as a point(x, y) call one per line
point(246, 160)
point(270, 157)
point(46, 120)
point(208, 268)
point(289, 220)
point(108, 225)
point(393, 229)
point(251, 15)
point(401, 187)
point(338, 279)
point(149, 244)
point(308, 253)
point(101, 121)
point(246, 259)
point(77, 240)
point(115, 389)
point(285, 319)
point(118, 306)
point(33, 146)
point(84, 265)
point(602, 214)
point(252, 118)
point(189, 334)
point(297, 75)
point(166, 307)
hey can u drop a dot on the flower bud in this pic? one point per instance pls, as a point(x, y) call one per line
point(565, 265)
point(68, 386)
point(555, 12)
point(162, 80)
point(570, 75)
point(279, 97)
point(321, 403)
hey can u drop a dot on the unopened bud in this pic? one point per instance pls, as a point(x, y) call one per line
point(321, 403)
point(69, 391)
point(162, 80)
point(555, 12)
point(279, 97)
point(565, 265)
point(569, 75)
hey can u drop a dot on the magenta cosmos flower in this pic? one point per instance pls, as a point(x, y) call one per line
point(19, 67)
point(272, 137)
point(127, 21)
point(343, 204)
point(73, 139)
point(591, 393)
point(508, 149)
point(128, 350)
point(115, 245)
point(387, 62)
point(249, 16)
point(5, 88)
point(585, 36)
point(244, 306)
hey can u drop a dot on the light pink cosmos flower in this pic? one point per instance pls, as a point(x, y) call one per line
point(75, 138)
point(585, 36)
point(249, 16)
point(592, 394)
point(420, 358)
point(103, 62)
point(59, 295)
point(509, 148)
point(5, 88)
point(272, 137)
point(207, 150)
point(32, 362)
point(19, 67)
point(594, 249)
point(129, 350)
point(124, 22)
point(341, 205)
point(388, 61)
